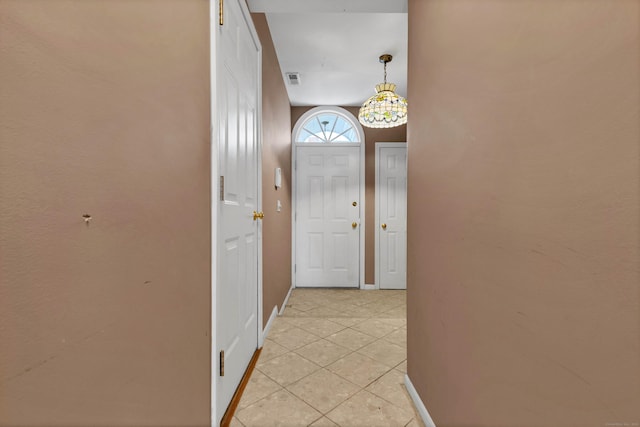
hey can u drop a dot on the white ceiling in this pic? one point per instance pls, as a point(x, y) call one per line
point(335, 46)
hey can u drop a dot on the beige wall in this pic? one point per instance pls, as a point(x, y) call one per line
point(523, 211)
point(397, 134)
point(276, 152)
point(105, 110)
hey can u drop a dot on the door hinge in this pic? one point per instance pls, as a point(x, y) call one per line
point(222, 363)
point(221, 12)
point(222, 188)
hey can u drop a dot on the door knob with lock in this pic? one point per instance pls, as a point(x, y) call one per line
point(384, 226)
point(257, 215)
point(354, 224)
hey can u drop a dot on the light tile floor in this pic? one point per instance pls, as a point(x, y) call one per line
point(335, 358)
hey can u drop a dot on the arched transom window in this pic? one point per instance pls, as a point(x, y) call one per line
point(328, 125)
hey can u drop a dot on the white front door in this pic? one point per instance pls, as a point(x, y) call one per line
point(238, 233)
point(327, 216)
point(391, 212)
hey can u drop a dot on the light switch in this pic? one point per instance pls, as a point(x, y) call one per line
point(278, 206)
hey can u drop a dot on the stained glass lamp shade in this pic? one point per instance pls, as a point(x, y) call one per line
point(385, 109)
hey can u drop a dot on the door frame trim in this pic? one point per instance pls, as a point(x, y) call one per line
point(294, 145)
point(213, 144)
point(215, 196)
point(379, 145)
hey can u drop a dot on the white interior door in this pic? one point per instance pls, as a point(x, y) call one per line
point(391, 215)
point(327, 216)
point(238, 233)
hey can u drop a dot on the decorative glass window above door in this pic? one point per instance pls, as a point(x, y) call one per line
point(327, 125)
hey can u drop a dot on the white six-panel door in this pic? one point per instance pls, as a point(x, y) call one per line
point(327, 216)
point(391, 215)
point(238, 236)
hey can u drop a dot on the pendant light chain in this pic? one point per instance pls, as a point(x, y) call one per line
point(385, 72)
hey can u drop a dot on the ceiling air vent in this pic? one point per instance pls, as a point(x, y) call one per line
point(293, 78)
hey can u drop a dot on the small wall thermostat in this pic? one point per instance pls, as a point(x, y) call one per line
point(278, 178)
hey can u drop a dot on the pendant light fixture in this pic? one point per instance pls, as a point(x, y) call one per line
point(385, 109)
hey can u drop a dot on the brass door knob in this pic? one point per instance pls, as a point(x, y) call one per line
point(257, 215)
point(354, 224)
point(384, 226)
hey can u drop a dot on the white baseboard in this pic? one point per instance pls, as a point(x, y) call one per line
point(286, 300)
point(266, 329)
point(369, 287)
point(422, 410)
